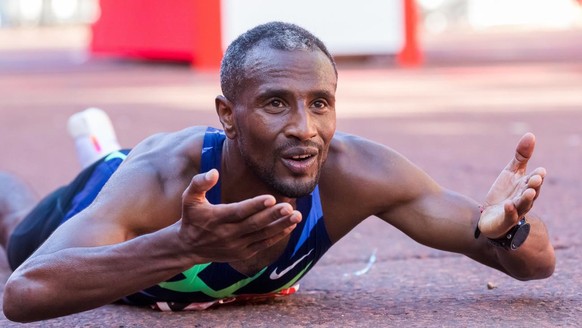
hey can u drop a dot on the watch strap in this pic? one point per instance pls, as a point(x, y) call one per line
point(513, 239)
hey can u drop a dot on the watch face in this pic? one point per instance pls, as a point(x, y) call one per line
point(520, 236)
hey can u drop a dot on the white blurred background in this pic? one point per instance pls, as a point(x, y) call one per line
point(437, 16)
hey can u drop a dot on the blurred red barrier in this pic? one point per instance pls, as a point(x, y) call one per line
point(183, 30)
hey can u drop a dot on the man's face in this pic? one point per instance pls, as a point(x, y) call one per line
point(285, 117)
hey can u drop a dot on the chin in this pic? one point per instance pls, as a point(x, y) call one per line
point(296, 188)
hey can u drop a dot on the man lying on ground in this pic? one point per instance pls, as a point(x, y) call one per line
point(203, 215)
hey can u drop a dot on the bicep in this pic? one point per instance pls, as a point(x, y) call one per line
point(410, 200)
point(84, 231)
point(135, 200)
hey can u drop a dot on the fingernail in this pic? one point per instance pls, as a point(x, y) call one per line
point(285, 211)
point(295, 217)
point(208, 174)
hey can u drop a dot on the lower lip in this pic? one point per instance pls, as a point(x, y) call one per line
point(299, 167)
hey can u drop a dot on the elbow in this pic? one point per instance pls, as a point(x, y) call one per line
point(12, 313)
point(540, 269)
point(540, 272)
point(547, 270)
point(536, 274)
point(19, 300)
point(10, 306)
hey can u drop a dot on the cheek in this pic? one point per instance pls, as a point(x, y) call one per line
point(256, 134)
point(327, 130)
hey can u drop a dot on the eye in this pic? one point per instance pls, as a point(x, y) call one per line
point(320, 104)
point(276, 103)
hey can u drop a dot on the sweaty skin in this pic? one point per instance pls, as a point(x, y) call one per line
point(281, 142)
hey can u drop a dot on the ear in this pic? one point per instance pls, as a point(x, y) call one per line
point(225, 111)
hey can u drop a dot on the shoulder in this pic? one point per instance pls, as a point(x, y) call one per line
point(152, 179)
point(362, 165)
point(182, 142)
point(363, 161)
point(345, 146)
point(171, 152)
point(361, 178)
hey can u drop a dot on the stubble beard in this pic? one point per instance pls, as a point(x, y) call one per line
point(267, 174)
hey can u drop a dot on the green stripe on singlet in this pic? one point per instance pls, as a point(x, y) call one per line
point(193, 283)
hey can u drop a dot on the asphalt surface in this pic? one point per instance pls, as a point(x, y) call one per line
point(458, 118)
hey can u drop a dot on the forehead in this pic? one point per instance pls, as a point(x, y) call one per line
point(265, 66)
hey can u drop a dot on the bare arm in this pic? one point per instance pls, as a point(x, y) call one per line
point(445, 220)
point(129, 240)
point(76, 279)
point(387, 185)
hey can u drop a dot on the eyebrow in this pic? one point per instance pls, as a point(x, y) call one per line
point(285, 93)
point(323, 94)
point(270, 93)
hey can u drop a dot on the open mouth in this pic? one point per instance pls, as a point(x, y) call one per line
point(299, 164)
point(301, 158)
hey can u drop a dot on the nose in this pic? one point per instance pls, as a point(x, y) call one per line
point(301, 125)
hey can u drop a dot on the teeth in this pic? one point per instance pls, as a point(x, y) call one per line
point(301, 156)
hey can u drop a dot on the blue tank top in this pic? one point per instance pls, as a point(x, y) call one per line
point(214, 281)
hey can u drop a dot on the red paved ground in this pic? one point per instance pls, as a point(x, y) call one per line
point(458, 118)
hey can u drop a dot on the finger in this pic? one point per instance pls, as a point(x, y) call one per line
point(257, 217)
point(270, 241)
point(524, 203)
point(280, 213)
point(523, 153)
point(200, 184)
point(539, 171)
point(538, 175)
point(533, 181)
point(276, 227)
point(239, 244)
point(263, 206)
point(511, 215)
point(536, 180)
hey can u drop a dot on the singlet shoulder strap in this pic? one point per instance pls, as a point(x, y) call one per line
point(212, 158)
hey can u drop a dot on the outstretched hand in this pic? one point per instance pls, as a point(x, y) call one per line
point(235, 231)
point(513, 194)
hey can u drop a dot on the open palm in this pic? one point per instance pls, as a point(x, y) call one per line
point(513, 193)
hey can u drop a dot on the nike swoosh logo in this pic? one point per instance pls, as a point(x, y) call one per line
point(274, 275)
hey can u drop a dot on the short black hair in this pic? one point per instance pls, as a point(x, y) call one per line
point(276, 35)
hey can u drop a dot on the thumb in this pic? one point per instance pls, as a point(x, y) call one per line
point(523, 152)
point(200, 184)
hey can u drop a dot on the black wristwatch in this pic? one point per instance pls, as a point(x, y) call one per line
point(513, 238)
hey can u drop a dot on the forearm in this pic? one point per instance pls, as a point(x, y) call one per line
point(77, 279)
point(447, 221)
point(535, 258)
point(457, 223)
